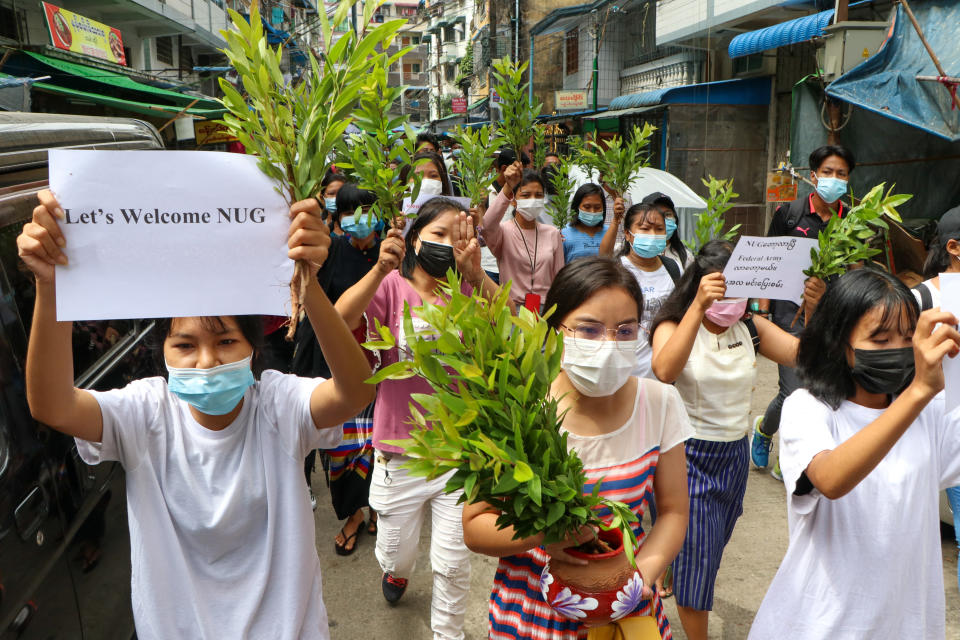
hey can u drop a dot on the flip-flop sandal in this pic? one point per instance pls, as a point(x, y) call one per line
point(372, 527)
point(342, 549)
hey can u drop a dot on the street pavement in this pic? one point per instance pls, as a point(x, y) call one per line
point(357, 610)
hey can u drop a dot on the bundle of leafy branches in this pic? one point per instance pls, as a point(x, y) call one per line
point(292, 127)
point(539, 147)
point(848, 240)
point(384, 139)
point(563, 186)
point(583, 158)
point(476, 161)
point(519, 114)
point(491, 418)
point(616, 162)
point(710, 223)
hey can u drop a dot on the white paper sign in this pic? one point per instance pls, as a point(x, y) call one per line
point(169, 233)
point(768, 268)
point(414, 208)
point(950, 301)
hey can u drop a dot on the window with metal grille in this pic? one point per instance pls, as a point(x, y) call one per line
point(164, 49)
point(573, 51)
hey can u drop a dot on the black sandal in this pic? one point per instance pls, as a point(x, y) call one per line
point(372, 527)
point(342, 549)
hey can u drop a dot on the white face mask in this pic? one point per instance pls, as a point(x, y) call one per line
point(602, 371)
point(430, 187)
point(530, 208)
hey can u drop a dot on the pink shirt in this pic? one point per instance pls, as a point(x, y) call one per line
point(392, 411)
point(516, 248)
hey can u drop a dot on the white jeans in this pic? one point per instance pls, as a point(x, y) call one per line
point(400, 501)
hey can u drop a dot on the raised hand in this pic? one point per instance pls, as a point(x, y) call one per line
point(930, 345)
point(466, 249)
point(41, 243)
point(392, 251)
point(309, 237)
point(713, 287)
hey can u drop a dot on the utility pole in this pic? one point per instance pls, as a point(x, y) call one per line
point(596, 57)
point(492, 49)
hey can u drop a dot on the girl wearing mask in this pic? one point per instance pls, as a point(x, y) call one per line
point(351, 257)
point(221, 531)
point(645, 239)
point(675, 250)
point(864, 441)
point(587, 235)
point(434, 180)
point(440, 238)
point(622, 427)
point(530, 253)
point(329, 187)
point(703, 344)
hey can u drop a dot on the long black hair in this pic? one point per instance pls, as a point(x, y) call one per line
point(938, 258)
point(430, 211)
point(822, 358)
point(641, 211)
point(674, 241)
point(350, 197)
point(712, 257)
point(582, 278)
point(528, 176)
point(437, 161)
point(250, 326)
point(588, 189)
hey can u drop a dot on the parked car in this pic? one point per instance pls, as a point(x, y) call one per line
point(64, 541)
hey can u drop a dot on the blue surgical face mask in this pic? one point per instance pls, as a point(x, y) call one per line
point(647, 246)
point(215, 391)
point(831, 189)
point(671, 227)
point(590, 219)
point(330, 204)
point(356, 226)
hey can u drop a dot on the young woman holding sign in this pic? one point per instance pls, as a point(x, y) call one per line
point(441, 238)
point(221, 530)
point(706, 345)
point(862, 443)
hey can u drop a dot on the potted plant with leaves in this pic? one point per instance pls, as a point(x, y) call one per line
point(293, 127)
point(709, 224)
point(493, 421)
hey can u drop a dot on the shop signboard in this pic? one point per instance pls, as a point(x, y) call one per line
point(73, 32)
point(459, 105)
point(571, 100)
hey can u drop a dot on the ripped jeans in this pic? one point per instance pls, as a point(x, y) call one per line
point(401, 501)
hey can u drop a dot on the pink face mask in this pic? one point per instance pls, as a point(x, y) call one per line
point(725, 313)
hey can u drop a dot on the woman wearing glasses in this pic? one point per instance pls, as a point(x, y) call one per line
point(703, 342)
point(625, 429)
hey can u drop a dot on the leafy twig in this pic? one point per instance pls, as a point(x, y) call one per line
point(518, 114)
point(709, 224)
point(563, 187)
point(617, 162)
point(476, 161)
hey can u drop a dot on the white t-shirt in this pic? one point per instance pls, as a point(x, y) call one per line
point(222, 535)
point(656, 286)
point(867, 565)
point(717, 381)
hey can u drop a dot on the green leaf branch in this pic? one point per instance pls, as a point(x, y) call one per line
point(850, 239)
point(492, 419)
point(618, 162)
point(563, 186)
point(476, 161)
point(709, 224)
point(519, 115)
point(292, 128)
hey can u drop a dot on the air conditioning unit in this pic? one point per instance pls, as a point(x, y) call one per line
point(847, 44)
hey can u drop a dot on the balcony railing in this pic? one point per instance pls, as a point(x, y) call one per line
point(409, 79)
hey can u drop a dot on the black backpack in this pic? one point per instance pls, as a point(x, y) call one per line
point(672, 268)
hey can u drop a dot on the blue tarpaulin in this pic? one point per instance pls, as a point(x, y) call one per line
point(887, 82)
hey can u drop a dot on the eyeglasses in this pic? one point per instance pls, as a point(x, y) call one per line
point(591, 335)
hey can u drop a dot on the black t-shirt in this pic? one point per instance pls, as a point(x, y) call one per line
point(808, 225)
point(345, 266)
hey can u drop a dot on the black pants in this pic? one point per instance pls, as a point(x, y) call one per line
point(783, 312)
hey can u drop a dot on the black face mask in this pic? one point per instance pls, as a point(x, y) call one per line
point(883, 370)
point(436, 258)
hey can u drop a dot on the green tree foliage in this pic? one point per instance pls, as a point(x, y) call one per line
point(709, 224)
point(617, 162)
point(491, 418)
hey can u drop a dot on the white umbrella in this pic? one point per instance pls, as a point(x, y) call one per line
point(649, 180)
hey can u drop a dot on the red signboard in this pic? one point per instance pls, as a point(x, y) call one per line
point(459, 105)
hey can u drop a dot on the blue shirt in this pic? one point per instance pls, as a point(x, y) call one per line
point(580, 244)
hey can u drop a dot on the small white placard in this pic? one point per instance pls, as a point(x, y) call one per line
point(169, 233)
point(950, 301)
point(412, 209)
point(768, 268)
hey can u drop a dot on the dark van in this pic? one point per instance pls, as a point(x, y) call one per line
point(64, 542)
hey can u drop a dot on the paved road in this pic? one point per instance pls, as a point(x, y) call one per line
point(358, 612)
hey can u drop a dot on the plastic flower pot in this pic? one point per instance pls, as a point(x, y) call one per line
point(606, 589)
